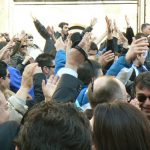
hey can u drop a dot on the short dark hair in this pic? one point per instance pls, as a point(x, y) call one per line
point(93, 46)
point(142, 81)
point(120, 126)
point(107, 93)
point(76, 37)
point(3, 69)
point(139, 35)
point(86, 71)
point(55, 126)
point(143, 26)
point(61, 25)
point(44, 59)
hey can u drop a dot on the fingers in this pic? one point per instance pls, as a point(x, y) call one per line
point(109, 57)
point(30, 69)
point(53, 79)
point(43, 85)
point(143, 39)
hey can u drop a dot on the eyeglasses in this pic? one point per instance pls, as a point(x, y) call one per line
point(142, 98)
point(51, 66)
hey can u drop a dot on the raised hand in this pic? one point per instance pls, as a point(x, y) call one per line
point(6, 52)
point(51, 31)
point(86, 41)
point(27, 76)
point(109, 27)
point(127, 20)
point(49, 87)
point(138, 46)
point(93, 22)
point(59, 44)
point(68, 43)
point(105, 58)
point(33, 17)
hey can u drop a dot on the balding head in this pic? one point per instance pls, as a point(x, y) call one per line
point(106, 89)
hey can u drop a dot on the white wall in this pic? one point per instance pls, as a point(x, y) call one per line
point(19, 16)
point(73, 14)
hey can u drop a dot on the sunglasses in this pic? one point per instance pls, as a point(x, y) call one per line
point(142, 98)
point(51, 66)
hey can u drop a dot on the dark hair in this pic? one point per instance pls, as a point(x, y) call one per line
point(142, 81)
point(54, 126)
point(93, 46)
point(107, 92)
point(120, 126)
point(75, 39)
point(44, 59)
point(143, 26)
point(139, 35)
point(3, 69)
point(61, 25)
point(86, 71)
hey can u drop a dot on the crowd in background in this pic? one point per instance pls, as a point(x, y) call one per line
point(78, 92)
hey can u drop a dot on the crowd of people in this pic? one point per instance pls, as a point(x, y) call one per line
point(78, 92)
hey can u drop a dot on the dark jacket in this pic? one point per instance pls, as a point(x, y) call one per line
point(37, 83)
point(68, 89)
point(49, 44)
point(8, 131)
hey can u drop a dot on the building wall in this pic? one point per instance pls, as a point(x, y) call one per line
point(15, 18)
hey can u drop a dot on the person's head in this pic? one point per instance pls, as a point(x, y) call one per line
point(64, 28)
point(142, 92)
point(106, 89)
point(45, 61)
point(93, 49)
point(30, 40)
point(120, 126)
point(23, 48)
point(4, 112)
point(76, 37)
point(4, 76)
point(55, 126)
point(145, 28)
point(87, 72)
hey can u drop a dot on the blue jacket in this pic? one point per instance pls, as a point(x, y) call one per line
point(117, 66)
point(15, 80)
point(60, 60)
point(82, 97)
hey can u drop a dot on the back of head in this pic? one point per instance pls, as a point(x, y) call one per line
point(76, 38)
point(44, 59)
point(86, 71)
point(93, 46)
point(55, 126)
point(120, 126)
point(143, 26)
point(142, 80)
point(106, 89)
point(139, 35)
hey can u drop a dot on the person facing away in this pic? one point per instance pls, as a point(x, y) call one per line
point(120, 126)
point(54, 126)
